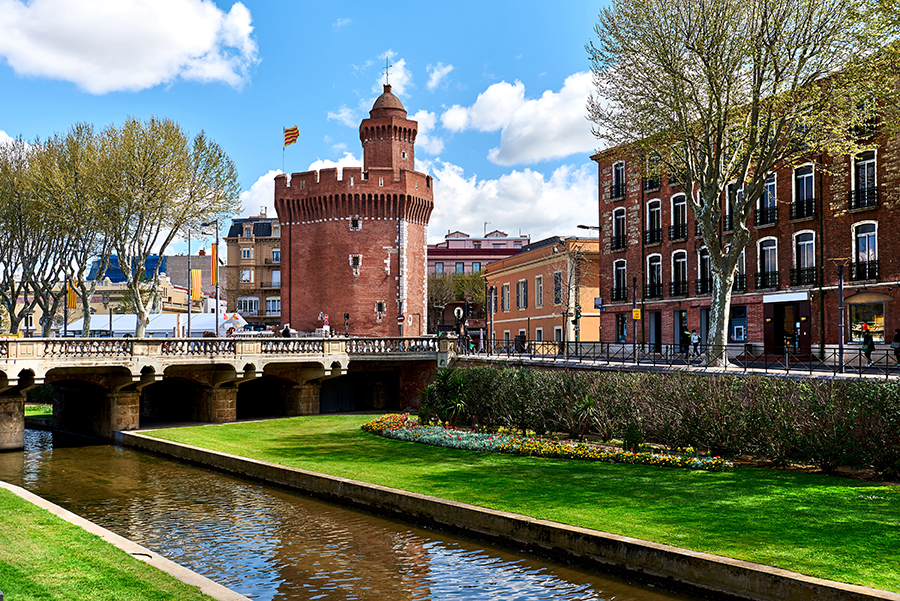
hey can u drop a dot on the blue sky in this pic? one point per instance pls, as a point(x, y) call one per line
point(498, 89)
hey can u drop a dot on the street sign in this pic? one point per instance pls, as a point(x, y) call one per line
point(458, 312)
point(598, 302)
point(400, 319)
point(635, 314)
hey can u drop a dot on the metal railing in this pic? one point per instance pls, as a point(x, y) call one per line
point(270, 284)
point(651, 183)
point(803, 208)
point(654, 290)
point(803, 276)
point(273, 261)
point(86, 347)
point(864, 270)
point(653, 236)
point(617, 191)
point(678, 288)
point(619, 294)
point(292, 346)
point(766, 216)
point(739, 357)
point(864, 198)
point(704, 286)
point(766, 280)
point(740, 282)
point(728, 222)
point(377, 346)
point(619, 242)
point(678, 232)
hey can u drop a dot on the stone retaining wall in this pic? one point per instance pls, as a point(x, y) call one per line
point(672, 566)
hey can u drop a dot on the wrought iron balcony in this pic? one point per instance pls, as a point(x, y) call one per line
point(864, 270)
point(619, 242)
point(619, 294)
point(803, 276)
point(273, 261)
point(678, 232)
point(728, 223)
point(651, 183)
point(654, 290)
point(698, 230)
point(766, 216)
point(766, 280)
point(704, 286)
point(803, 208)
point(740, 283)
point(864, 198)
point(653, 236)
point(270, 285)
point(617, 191)
point(678, 288)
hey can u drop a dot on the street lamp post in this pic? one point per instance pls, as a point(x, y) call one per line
point(839, 263)
point(215, 267)
point(633, 320)
point(189, 286)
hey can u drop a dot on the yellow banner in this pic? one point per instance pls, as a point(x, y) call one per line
point(214, 262)
point(71, 298)
point(196, 293)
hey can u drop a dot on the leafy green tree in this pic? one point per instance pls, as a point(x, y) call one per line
point(727, 91)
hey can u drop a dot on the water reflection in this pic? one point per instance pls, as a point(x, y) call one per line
point(267, 543)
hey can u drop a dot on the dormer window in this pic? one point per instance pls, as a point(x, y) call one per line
point(248, 231)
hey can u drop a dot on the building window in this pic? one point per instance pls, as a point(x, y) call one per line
point(617, 189)
point(651, 181)
point(865, 255)
point(767, 211)
point(620, 284)
point(273, 306)
point(522, 294)
point(355, 263)
point(804, 271)
point(619, 239)
point(679, 285)
point(476, 244)
point(504, 297)
point(740, 274)
point(381, 181)
point(654, 277)
point(653, 235)
point(557, 288)
point(621, 327)
point(804, 204)
point(767, 276)
point(439, 268)
point(506, 338)
point(355, 223)
point(247, 305)
point(557, 333)
point(737, 325)
point(704, 272)
point(870, 314)
point(733, 197)
point(248, 231)
point(460, 267)
point(403, 155)
point(517, 245)
point(539, 291)
point(246, 276)
point(380, 308)
point(678, 229)
point(276, 256)
point(476, 266)
point(276, 231)
point(247, 253)
point(865, 191)
point(539, 334)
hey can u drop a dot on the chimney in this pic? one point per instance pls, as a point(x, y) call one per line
point(201, 252)
point(262, 211)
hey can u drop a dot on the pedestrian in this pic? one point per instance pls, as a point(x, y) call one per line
point(868, 344)
point(685, 340)
point(286, 332)
point(695, 341)
point(895, 344)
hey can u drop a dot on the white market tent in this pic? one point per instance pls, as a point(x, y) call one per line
point(162, 325)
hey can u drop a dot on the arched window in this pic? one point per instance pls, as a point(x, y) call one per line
point(865, 251)
point(654, 277)
point(619, 238)
point(620, 281)
point(865, 190)
point(679, 285)
point(704, 272)
point(804, 271)
point(653, 235)
point(678, 229)
point(767, 276)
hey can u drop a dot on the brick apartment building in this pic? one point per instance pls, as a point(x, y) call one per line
point(810, 220)
point(355, 242)
point(253, 274)
point(538, 291)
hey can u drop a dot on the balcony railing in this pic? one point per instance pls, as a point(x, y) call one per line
point(273, 261)
point(617, 191)
point(677, 179)
point(619, 242)
point(678, 232)
point(803, 208)
point(651, 183)
point(653, 236)
point(766, 280)
point(698, 230)
point(740, 283)
point(270, 284)
point(728, 222)
point(678, 288)
point(864, 198)
point(766, 216)
point(619, 294)
point(864, 270)
point(654, 290)
point(704, 286)
point(803, 276)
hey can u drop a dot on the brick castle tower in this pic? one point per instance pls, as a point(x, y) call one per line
point(357, 244)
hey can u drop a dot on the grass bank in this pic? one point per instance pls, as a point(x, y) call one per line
point(45, 558)
point(817, 525)
point(38, 410)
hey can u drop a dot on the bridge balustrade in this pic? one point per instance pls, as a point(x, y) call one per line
point(89, 347)
point(375, 346)
point(200, 346)
point(292, 346)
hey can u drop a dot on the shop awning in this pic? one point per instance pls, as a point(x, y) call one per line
point(867, 297)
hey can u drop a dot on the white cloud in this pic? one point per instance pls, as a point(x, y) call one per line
point(550, 127)
point(345, 115)
point(348, 160)
point(400, 77)
point(525, 200)
point(260, 194)
point(425, 141)
point(127, 45)
point(436, 74)
point(340, 23)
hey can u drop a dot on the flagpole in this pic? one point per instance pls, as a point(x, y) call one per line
point(283, 130)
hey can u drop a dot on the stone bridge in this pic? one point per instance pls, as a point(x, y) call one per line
point(102, 385)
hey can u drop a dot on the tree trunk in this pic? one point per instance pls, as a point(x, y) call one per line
point(716, 354)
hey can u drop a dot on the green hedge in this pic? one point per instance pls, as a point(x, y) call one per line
point(825, 422)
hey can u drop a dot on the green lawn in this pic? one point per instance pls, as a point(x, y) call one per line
point(38, 410)
point(45, 558)
point(818, 525)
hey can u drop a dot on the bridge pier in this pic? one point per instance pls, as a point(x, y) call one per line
point(216, 405)
point(303, 399)
point(12, 422)
point(124, 410)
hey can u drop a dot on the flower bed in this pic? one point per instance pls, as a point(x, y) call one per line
point(402, 427)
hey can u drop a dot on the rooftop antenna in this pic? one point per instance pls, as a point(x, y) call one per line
point(485, 228)
point(387, 70)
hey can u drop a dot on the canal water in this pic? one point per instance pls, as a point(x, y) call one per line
point(268, 543)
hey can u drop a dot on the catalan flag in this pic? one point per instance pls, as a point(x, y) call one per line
point(290, 135)
point(196, 292)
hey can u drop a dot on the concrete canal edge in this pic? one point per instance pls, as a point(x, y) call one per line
point(189, 577)
point(680, 568)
